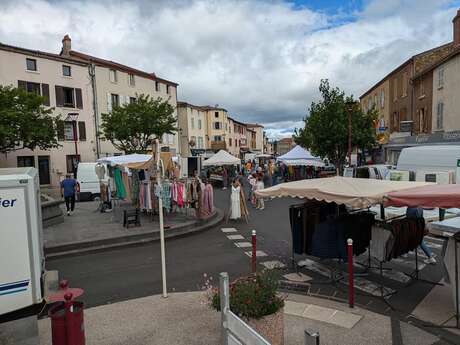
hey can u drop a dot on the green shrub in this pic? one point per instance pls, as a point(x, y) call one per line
point(252, 297)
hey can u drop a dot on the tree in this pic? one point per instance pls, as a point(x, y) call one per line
point(25, 122)
point(326, 128)
point(131, 127)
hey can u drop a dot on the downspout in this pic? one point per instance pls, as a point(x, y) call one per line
point(92, 73)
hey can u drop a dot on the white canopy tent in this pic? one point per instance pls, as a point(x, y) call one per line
point(222, 158)
point(125, 159)
point(299, 156)
point(353, 192)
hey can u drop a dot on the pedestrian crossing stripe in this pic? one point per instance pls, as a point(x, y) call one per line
point(227, 230)
point(243, 244)
point(235, 237)
point(259, 253)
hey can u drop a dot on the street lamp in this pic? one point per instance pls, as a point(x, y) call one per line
point(349, 108)
point(73, 117)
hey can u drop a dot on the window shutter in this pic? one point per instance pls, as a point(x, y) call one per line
point(46, 94)
point(78, 98)
point(59, 96)
point(22, 85)
point(82, 130)
point(60, 130)
point(109, 102)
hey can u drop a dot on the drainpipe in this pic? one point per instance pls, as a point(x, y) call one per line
point(92, 74)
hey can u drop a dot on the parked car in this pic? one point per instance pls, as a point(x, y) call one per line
point(89, 182)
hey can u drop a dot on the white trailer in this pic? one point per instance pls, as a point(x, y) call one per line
point(21, 241)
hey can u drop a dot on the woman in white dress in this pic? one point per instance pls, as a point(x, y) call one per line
point(235, 210)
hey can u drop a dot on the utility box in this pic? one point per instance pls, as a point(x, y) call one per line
point(21, 239)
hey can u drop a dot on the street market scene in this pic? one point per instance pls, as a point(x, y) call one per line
point(287, 175)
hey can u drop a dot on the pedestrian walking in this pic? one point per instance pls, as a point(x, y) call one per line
point(69, 188)
point(260, 199)
point(417, 212)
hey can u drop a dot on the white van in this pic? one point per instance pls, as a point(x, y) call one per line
point(434, 158)
point(88, 180)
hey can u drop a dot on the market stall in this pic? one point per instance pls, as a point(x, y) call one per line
point(221, 166)
point(300, 163)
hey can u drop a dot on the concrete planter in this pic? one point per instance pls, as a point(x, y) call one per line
point(51, 212)
point(271, 327)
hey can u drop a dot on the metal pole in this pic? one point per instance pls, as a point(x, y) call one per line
point(224, 305)
point(351, 292)
point(160, 216)
point(254, 252)
point(349, 136)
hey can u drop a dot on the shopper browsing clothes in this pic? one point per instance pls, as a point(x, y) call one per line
point(69, 187)
point(260, 200)
point(417, 212)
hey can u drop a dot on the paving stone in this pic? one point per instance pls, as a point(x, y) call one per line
point(235, 237)
point(346, 320)
point(315, 312)
point(294, 308)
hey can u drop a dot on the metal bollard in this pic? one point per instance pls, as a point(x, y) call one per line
point(254, 252)
point(311, 337)
point(351, 292)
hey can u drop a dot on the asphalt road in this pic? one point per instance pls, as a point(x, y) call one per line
point(133, 272)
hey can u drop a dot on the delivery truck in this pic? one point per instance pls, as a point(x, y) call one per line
point(21, 242)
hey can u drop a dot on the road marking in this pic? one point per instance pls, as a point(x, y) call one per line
point(360, 283)
point(297, 277)
point(390, 274)
point(235, 237)
point(273, 264)
point(243, 244)
point(225, 230)
point(258, 253)
point(410, 263)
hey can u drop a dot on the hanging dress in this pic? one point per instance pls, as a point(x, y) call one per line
point(235, 211)
point(121, 192)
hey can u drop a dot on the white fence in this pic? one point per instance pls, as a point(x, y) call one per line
point(234, 330)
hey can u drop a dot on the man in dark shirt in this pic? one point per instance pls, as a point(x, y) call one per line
point(68, 189)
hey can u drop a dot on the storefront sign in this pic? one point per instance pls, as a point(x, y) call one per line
point(197, 152)
point(422, 139)
point(405, 126)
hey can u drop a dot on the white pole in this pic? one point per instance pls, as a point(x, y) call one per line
point(162, 230)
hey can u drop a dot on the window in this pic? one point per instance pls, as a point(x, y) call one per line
point(69, 131)
point(113, 75)
point(81, 130)
point(193, 139)
point(26, 161)
point(157, 86)
point(230, 142)
point(421, 120)
point(192, 121)
point(131, 80)
point(199, 124)
point(440, 77)
point(226, 126)
point(440, 115)
point(200, 143)
point(68, 97)
point(115, 100)
point(404, 84)
point(395, 89)
point(375, 101)
point(421, 88)
point(132, 100)
point(66, 71)
point(33, 88)
point(217, 125)
point(31, 64)
point(217, 138)
point(167, 89)
point(382, 99)
point(216, 114)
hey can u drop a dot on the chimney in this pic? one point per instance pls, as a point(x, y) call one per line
point(456, 22)
point(66, 45)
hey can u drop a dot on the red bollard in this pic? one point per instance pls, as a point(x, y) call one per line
point(351, 289)
point(254, 256)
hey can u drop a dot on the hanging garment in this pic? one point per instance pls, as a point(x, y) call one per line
point(121, 192)
point(180, 195)
point(382, 244)
point(235, 210)
point(296, 219)
point(135, 188)
point(141, 175)
point(166, 196)
point(126, 184)
point(208, 200)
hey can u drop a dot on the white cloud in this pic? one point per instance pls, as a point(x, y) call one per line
point(260, 60)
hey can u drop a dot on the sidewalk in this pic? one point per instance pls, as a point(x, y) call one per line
point(185, 319)
point(87, 229)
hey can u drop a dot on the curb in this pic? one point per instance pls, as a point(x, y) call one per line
point(131, 240)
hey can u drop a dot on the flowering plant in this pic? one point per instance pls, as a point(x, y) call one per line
point(252, 297)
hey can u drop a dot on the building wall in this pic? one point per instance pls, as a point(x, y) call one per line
point(13, 68)
point(423, 102)
point(214, 115)
point(193, 127)
point(259, 139)
point(400, 96)
point(105, 87)
point(378, 97)
point(232, 146)
point(448, 93)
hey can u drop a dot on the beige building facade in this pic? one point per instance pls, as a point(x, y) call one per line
point(378, 98)
point(192, 122)
point(66, 87)
point(259, 137)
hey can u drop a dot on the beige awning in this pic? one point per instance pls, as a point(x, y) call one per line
point(353, 192)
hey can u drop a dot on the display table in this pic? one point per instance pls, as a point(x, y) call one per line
point(450, 229)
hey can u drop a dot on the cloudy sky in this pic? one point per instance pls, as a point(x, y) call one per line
point(261, 60)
